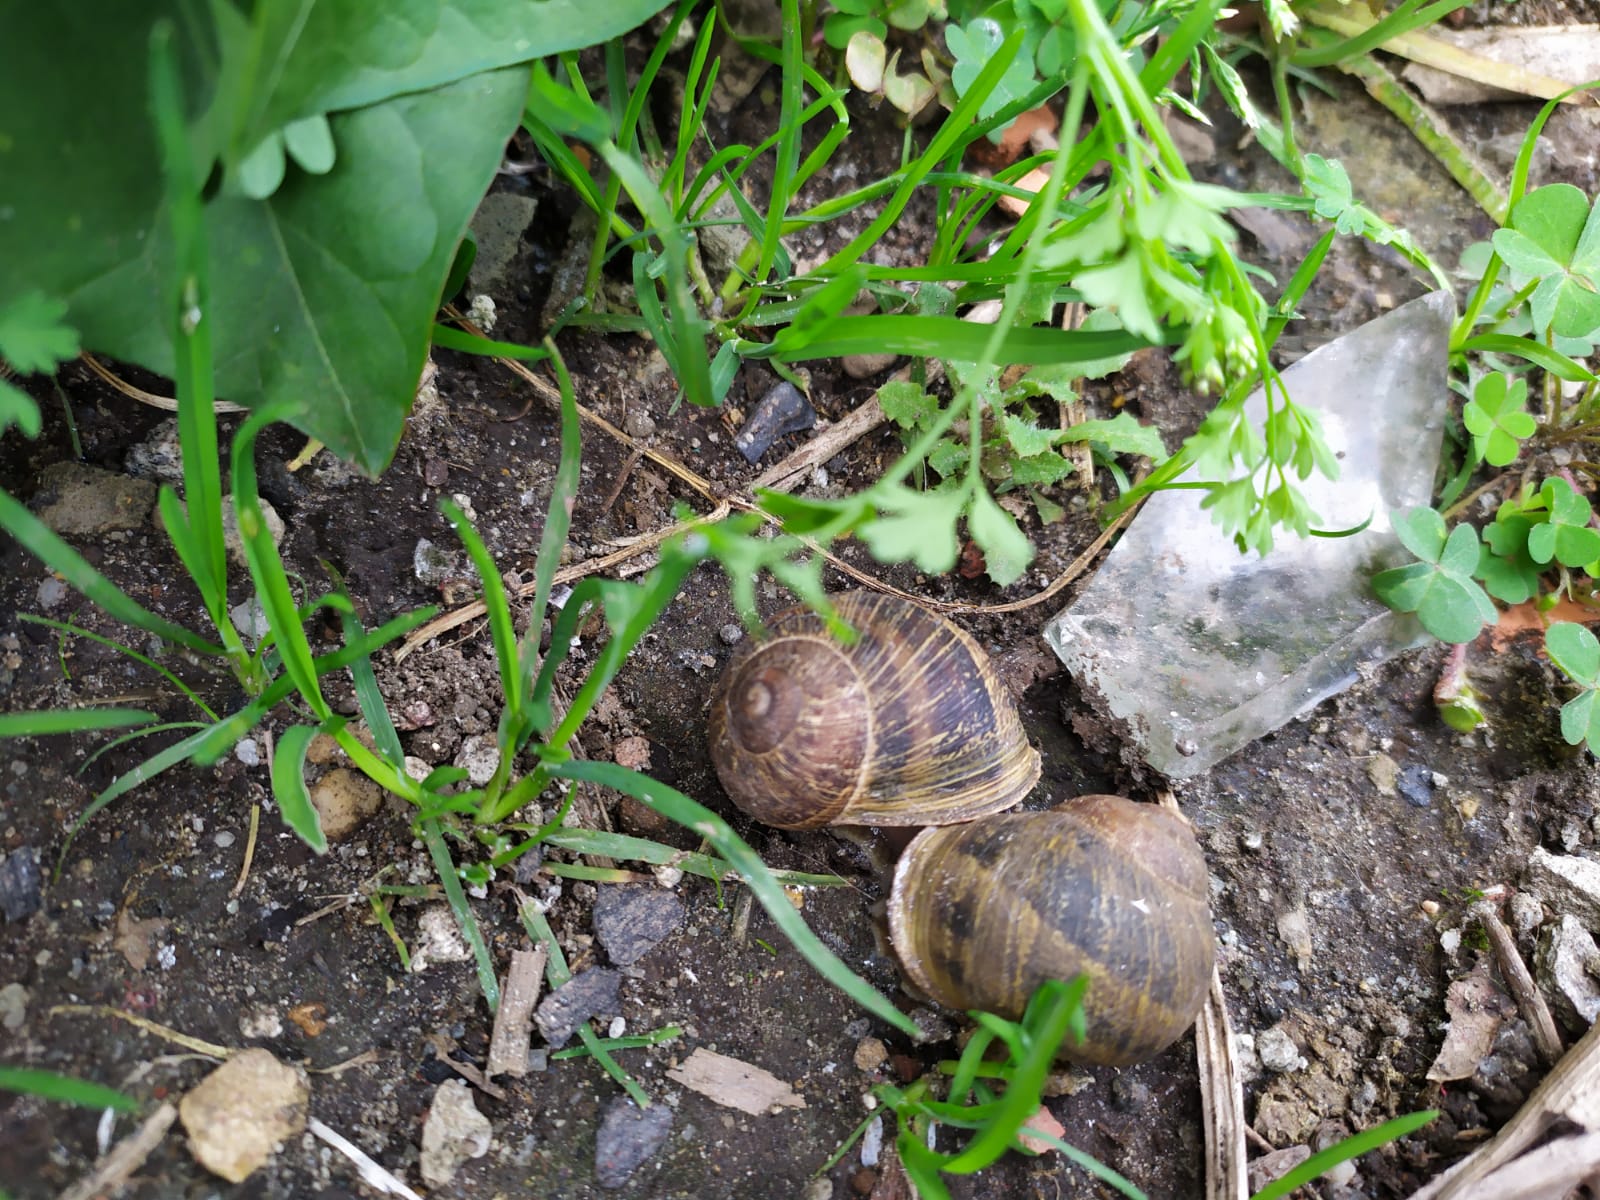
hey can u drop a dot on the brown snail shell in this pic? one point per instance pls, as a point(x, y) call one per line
point(982, 914)
point(906, 726)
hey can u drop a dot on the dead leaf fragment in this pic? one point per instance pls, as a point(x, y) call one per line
point(310, 1017)
point(1042, 1121)
point(1476, 1008)
point(735, 1084)
point(134, 937)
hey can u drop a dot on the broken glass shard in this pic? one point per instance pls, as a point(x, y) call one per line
point(1197, 649)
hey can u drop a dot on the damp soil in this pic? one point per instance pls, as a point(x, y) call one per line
point(1343, 849)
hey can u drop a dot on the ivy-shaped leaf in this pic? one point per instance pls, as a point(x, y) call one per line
point(1439, 588)
point(920, 527)
point(972, 46)
point(1497, 418)
point(1120, 434)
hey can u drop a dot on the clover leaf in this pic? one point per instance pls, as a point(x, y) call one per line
point(1566, 537)
point(1575, 650)
point(1497, 419)
point(1503, 563)
point(974, 45)
point(1439, 588)
point(1554, 238)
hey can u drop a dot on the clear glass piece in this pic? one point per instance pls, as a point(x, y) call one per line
point(1198, 649)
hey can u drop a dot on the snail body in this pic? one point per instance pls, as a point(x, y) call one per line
point(982, 914)
point(908, 725)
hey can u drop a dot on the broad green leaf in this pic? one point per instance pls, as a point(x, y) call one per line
point(325, 293)
point(1567, 536)
point(1026, 438)
point(1421, 531)
point(1006, 549)
point(1554, 237)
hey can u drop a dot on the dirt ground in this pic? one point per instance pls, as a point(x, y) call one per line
point(1343, 849)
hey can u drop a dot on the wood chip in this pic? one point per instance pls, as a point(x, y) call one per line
point(735, 1084)
point(513, 1024)
point(1570, 1095)
point(125, 1158)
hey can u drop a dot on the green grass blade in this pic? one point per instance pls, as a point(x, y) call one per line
point(446, 868)
point(369, 698)
point(448, 337)
point(70, 720)
point(557, 523)
point(951, 337)
point(1027, 1082)
point(45, 545)
point(212, 739)
point(189, 310)
point(50, 1086)
point(289, 786)
point(78, 631)
point(700, 820)
point(1538, 353)
point(557, 973)
point(1352, 1147)
point(494, 603)
point(266, 566)
point(146, 731)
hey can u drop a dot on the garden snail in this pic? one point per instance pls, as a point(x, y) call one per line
point(982, 914)
point(906, 726)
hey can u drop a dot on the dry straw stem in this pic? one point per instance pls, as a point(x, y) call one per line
point(1221, 1085)
point(782, 477)
point(124, 1159)
point(1569, 1095)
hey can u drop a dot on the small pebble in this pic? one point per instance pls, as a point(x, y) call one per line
point(870, 1054)
point(872, 1143)
point(783, 410)
point(627, 1137)
point(1277, 1051)
point(630, 920)
point(731, 634)
point(223, 840)
point(51, 592)
point(248, 751)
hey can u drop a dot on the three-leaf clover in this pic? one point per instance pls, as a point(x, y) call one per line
point(1503, 562)
point(1566, 536)
point(1440, 588)
point(1497, 418)
point(1575, 650)
point(1554, 237)
point(974, 45)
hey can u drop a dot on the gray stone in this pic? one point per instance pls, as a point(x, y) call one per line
point(628, 1136)
point(1568, 883)
point(591, 993)
point(498, 226)
point(1569, 970)
point(783, 410)
point(454, 1132)
point(21, 884)
point(75, 498)
point(159, 456)
point(630, 919)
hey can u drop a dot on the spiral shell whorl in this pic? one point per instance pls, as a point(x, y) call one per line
point(906, 726)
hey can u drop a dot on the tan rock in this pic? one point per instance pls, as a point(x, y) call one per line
point(345, 800)
point(239, 1115)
